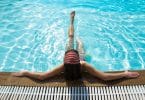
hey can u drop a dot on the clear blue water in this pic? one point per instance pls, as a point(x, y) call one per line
point(33, 33)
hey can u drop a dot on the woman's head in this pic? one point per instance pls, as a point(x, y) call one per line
point(73, 51)
point(71, 57)
point(72, 65)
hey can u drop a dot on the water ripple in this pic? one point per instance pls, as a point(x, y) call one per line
point(34, 33)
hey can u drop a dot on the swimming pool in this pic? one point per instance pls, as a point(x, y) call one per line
point(33, 33)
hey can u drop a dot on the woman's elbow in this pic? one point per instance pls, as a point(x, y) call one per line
point(105, 77)
point(41, 78)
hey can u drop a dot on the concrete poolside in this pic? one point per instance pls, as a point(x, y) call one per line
point(88, 80)
point(90, 88)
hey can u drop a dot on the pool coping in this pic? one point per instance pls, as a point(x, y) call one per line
point(6, 79)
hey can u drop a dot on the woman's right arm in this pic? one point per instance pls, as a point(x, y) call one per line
point(108, 76)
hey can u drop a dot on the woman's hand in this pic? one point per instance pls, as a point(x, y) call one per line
point(19, 74)
point(131, 74)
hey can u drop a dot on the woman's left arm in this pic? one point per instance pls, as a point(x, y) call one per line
point(41, 76)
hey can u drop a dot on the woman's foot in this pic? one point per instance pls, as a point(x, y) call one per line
point(72, 14)
point(131, 74)
point(19, 74)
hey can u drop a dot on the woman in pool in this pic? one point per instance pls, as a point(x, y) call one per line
point(74, 63)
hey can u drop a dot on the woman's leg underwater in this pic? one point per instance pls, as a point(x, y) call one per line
point(80, 49)
point(70, 44)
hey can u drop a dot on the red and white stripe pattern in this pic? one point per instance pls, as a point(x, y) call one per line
point(71, 57)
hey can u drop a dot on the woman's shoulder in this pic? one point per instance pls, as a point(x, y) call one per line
point(83, 63)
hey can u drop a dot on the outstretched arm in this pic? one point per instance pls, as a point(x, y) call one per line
point(108, 76)
point(40, 76)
